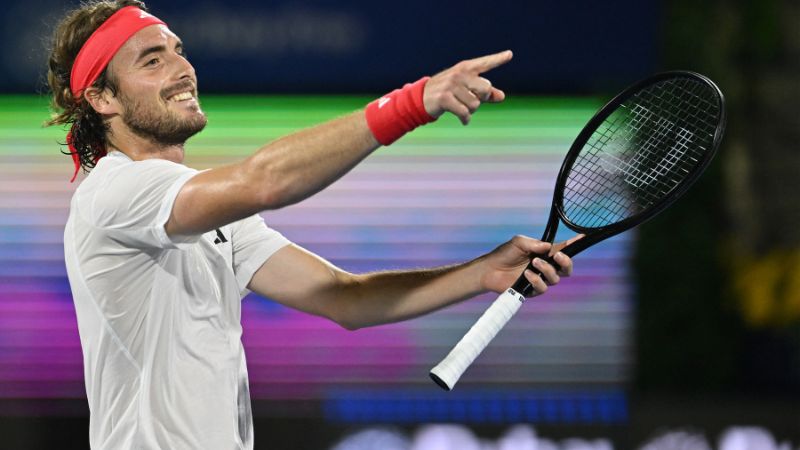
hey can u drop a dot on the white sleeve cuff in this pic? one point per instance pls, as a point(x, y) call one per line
point(260, 256)
point(164, 213)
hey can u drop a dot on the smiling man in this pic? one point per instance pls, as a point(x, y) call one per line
point(159, 255)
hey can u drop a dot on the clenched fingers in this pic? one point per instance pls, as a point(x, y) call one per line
point(480, 87)
point(548, 275)
point(565, 262)
point(455, 105)
point(547, 270)
point(560, 258)
point(536, 281)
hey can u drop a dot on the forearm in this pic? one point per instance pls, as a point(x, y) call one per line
point(386, 297)
point(281, 173)
point(304, 281)
point(297, 166)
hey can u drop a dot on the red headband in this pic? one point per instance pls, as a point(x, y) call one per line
point(104, 43)
point(98, 51)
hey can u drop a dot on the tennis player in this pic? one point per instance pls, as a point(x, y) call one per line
point(159, 255)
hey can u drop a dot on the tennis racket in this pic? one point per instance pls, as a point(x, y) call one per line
point(634, 158)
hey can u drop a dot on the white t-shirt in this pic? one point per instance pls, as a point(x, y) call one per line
point(159, 316)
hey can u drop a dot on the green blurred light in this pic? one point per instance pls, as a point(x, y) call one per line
point(238, 125)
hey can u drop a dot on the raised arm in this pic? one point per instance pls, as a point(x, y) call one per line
point(304, 281)
point(297, 166)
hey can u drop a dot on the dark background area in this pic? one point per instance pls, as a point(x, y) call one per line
point(329, 47)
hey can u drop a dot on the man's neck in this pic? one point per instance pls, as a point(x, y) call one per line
point(139, 148)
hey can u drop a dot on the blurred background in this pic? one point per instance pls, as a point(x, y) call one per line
point(682, 334)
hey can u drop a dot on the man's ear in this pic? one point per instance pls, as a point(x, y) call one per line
point(102, 100)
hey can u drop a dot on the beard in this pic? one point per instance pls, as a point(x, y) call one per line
point(158, 124)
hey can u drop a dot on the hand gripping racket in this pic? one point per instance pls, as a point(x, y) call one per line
point(634, 158)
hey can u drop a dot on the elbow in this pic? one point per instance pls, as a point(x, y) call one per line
point(348, 325)
point(347, 319)
point(340, 316)
point(343, 309)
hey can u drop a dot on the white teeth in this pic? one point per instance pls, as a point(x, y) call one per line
point(182, 96)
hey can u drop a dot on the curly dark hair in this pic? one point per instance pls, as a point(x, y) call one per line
point(89, 130)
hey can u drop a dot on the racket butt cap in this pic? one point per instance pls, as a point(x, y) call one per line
point(439, 381)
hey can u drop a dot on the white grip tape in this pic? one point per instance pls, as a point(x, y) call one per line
point(477, 338)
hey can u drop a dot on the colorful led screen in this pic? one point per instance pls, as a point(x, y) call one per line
point(444, 194)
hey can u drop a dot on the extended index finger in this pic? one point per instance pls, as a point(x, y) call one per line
point(488, 62)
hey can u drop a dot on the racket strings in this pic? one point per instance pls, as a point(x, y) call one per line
point(641, 152)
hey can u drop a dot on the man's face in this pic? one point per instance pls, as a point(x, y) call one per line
point(157, 87)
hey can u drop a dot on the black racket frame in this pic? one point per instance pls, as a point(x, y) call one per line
point(595, 235)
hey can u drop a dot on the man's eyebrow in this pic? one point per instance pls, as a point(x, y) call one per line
point(150, 50)
point(156, 49)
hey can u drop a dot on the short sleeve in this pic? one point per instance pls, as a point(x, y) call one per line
point(253, 244)
point(132, 202)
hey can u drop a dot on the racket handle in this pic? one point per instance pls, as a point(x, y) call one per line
point(447, 372)
point(523, 286)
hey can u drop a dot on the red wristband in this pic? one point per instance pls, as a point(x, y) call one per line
point(398, 112)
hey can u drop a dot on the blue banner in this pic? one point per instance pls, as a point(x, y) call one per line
point(360, 46)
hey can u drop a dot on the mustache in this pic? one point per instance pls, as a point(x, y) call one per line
point(180, 87)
